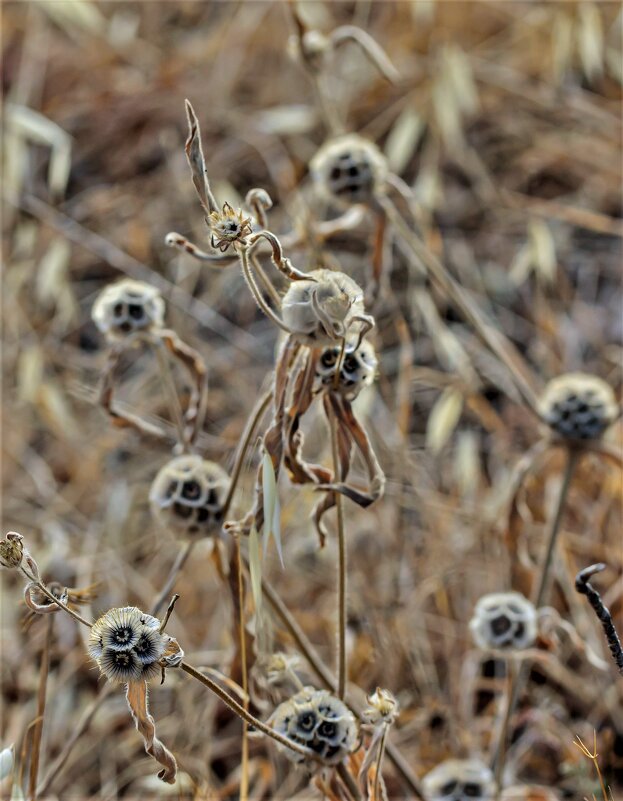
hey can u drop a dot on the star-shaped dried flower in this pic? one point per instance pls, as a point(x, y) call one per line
point(228, 226)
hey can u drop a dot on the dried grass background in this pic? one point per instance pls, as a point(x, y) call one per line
point(507, 123)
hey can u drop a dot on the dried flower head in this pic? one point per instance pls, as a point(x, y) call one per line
point(349, 169)
point(323, 309)
point(128, 307)
point(319, 721)
point(127, 644)
point(188, 495)
point(228, 226)
point(280, 665)
point(578, 406)
point(504, 620)
point(12, 550)
point(459, 780)
point(357, 369)
point(382, 707)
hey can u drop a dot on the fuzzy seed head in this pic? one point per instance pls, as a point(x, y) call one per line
point(127, 308)
point(578, 406)
point(504, 621)
point(12, 550)
point(323, 310)
point(382, 707)
point(188, 495)
point(228, 226)
point(319, 721)
point(459, 780)
point(127, 644)
point(357, 370)
point(349, 169)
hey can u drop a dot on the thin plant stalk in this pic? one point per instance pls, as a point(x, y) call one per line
point(37, 732)
point(379, 764)
point(511, 684)
point(176, 567)
point(171, 393)
point(349, 782)
point(342, 572)
point(243, 713)
point(50, 596)
point(244, 767)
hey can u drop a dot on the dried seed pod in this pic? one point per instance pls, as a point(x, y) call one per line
point(324, 309)
point(504, 620)
point(228, 226)
point(128, 307)
point(578, 406)
point(319, 721)
point(357, 370)
point(349, 169)
point(12, 550)
point(127, 644)
point(188, 495)
point(459, 780)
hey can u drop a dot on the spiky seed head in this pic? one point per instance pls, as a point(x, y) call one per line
point(357, 370)
point(349, 169)
point(228, 226)
point(127, 644)
point(459, 780)
point(12, 550)
point(188, 494)
point(322, 310)
point(382, 707)
point(127, 308)
point(319, 721)
point(504, 621)
point(578, 406)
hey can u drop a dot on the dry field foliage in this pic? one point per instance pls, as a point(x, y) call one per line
point(437, 444)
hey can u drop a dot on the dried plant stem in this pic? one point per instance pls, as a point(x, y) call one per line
point(244, 766)
point(584, 587)
point(255, 290)
point(176, 567)
point(50, 596)
point(41, 697)
point(349, 782)
point(511, 684)
point(243, 713)
point(342, 572)
point(171, 393)
point(379, 765)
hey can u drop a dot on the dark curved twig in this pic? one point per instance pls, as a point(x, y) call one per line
point(583, 586)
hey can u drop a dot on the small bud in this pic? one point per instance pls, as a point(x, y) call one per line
point(382, 707)
point(12, 550)
point(228, 226)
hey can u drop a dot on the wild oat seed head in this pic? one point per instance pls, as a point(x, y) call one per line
point(504, 621)
point(349, 169)
point(319, 721)
point(323, 310)
point(127, 644)
point(188, 494)
point(382, 707)
point(128, 307)
point(12, 550)
point(357, 371)
point(459, 780)
point(578, 406)
point(228, 226)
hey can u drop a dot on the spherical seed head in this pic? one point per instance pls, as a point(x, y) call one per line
point(127, 308)
point(504, 621)
point(323, 310)
point(127, 644)
point(320, 722)
point(188, 495)
point(578, 406)
point(459, 780)
point(357, 370)
point(349, 169)
point(12, 550)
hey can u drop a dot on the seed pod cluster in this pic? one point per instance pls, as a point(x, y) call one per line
point(459, 780)
point(319, 721)
point(505, 621)
point(349, 169)
point(127, 644)
point(323, 309)
point(188, 494)
point(578, 406)
point(128, 307)
point(357, 369)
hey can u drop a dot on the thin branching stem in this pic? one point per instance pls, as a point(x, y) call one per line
point(168, 383)
point(244, 766)
point(176, 567)
point(37, 731)
point(342, 588)
point(51, 597)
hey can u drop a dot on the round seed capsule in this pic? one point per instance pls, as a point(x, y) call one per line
point(578, 406)
point(126, 308)
point(459, 780)
point(349, 169)
point(505, 621)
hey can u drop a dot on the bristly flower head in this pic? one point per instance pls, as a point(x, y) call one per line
point(349, 169)
point(12, 550)
point(128, 307)
point(127, 644)
point(188, 495)
point(228, 226)
point(357, 369)
point(382, 707)
point(459, 780)
point(505, 621)
point(319, 721)
point(578, 406)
